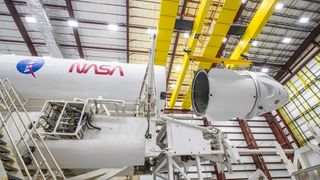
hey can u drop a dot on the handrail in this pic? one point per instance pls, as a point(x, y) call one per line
point(11, 100)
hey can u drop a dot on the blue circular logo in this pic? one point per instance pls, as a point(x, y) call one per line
point(30, 66)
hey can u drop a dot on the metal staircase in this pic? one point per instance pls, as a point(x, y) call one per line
point(9, 166)
point(20, 141)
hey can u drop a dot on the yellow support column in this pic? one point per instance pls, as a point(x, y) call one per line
point(192, 42)
point(221, 28)
point(167, 19)
point(254, 28)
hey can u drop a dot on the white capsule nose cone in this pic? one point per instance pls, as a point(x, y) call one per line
point(271, 94)
point(283, 97)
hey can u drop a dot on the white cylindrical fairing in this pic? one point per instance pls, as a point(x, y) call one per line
point(224, 94)
point(45, 77)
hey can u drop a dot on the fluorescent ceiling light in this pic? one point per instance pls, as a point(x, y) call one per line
point(152, 31)
point(279, 6)
point(286, 40)
point(264, 70)
point(30, 19)
point(186, 35)
point(254, 43)
point(172, 86)
point(178, 68)
point(113, 27)
point(243, 1)
point(73, 23)
point(303, 20)
point(224, 40)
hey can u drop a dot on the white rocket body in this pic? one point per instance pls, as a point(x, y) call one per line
point(224, 94)
point(45, 77)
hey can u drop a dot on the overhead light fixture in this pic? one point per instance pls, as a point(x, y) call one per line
point(172, 86)
point(113, 27)
point(254, 43)
point(152, 31)
point(303, 20)
point(30, 19)
point(279, 6)
point(224, 40)
point(286, 40)
point(73, 23)
point(178, 68)
point(243, 1)
point(241, 42)
point(264, 70)
point(186, 35)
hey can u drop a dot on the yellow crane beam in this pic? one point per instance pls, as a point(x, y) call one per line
point(166, 22)
point(254, 28)
point(203, 59)
point(221, 28)
point(192, 42)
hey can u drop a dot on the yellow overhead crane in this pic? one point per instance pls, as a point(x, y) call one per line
point(191, 44)
point(167, 19)
point(254, 28)
point(226, 18)
point(221, 28)
point(211, 60)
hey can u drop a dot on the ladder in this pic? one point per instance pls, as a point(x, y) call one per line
point(16, 121)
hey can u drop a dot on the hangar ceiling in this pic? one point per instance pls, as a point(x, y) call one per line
point(119, 30)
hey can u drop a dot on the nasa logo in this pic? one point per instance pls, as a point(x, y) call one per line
point(30, 66)
point(103, 69)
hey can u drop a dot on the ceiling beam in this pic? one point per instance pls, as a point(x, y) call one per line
point(94, 22)
point(267, 65)
point(21, 28)
point(309, 40)
point(75, 29)
point(284, 26)
point(85, 47)
point(285, 15)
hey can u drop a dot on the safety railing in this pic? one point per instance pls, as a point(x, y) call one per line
point(17, 122)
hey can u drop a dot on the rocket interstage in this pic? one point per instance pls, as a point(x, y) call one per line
point(52, 78)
